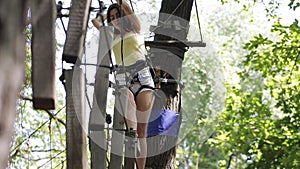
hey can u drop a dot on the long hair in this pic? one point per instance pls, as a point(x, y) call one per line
point(125, 22)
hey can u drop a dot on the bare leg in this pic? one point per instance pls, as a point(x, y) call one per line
point(126, 103)
point(144, 102)
point(130, 115)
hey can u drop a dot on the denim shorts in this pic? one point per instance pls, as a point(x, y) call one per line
point(144, 79)
point(137, 82)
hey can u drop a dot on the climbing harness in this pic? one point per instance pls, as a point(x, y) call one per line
point(132, 75)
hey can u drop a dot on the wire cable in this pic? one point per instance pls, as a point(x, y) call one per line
point(199, 25)
point(51, 159)
point(50, 140)
point(131, 5)
point(170, 15)
point(36, 130)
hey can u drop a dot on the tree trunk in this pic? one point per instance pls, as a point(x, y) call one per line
point(12, 55)
point(173, 24)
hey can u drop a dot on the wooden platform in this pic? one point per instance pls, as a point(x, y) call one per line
point(73, 48)
point(168, 43)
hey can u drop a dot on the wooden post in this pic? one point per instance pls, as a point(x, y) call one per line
point(98, 145)
point(43, 14)
point(173, 25)
point(76, 32)
point(130, 149)
point(12, 57)
point(73, 50)
point(118, 134)
point(76, 137)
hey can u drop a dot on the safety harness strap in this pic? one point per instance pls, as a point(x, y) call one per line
point(141, 88)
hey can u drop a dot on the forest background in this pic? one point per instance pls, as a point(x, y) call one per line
point(241, 97)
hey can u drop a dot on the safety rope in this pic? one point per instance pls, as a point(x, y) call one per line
point(59, 8)
point(53, 157)
point(170, 15)
point(198, 18)
point(85, 78)
point(50, 141)
point(131, 5)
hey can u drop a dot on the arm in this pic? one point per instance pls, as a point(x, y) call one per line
point(97, 22)
point(130, 14)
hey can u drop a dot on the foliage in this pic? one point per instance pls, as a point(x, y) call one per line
point(260, 126)
point(204, 73)
point(198, 112)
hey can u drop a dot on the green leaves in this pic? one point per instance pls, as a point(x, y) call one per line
point(261, 115)
point(294, 4)
point(269, 57)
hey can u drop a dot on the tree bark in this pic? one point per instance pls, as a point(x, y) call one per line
point(12, 55)
point(75, 124)
point(173, 24)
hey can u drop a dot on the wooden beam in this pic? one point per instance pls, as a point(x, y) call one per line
point(98, 114)
point(168, 43)
point(12, 57)
point(76, 136)
point(73, 48)
point(118, 134)
point(43, 15)
point(130, 149)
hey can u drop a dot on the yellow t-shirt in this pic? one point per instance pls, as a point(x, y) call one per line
point(132, 49)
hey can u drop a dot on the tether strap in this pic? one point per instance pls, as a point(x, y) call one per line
point(141, 88)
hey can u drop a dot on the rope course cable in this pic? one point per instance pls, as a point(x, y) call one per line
point(131, 5)
point(169, 17)
point(85, 78)
point(35, 131)
point(50, 141)
point(59, 8)
point(198, 19)
point(53, 157)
